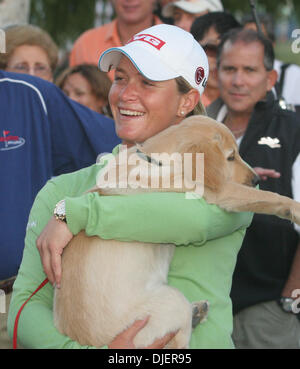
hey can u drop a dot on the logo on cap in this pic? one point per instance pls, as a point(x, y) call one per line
point(199, 75)
point(151, 40)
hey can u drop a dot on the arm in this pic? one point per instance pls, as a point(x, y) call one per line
point(36, 328)
point(152, 217)
point(169, 218)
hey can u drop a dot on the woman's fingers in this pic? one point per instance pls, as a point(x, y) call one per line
point(51, 242)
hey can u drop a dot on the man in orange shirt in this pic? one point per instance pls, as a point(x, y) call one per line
point(131, 17)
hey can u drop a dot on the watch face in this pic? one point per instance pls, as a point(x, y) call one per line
point(60, 211)
point(286, 304)
point(60, 208)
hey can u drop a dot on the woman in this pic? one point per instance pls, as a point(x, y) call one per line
point(29, 50)
point(87, 85)
point(157, 84)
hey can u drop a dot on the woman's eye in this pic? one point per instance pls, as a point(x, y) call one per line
point(231, 158)
point(147, 83)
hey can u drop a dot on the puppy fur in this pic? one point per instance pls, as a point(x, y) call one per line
point(107, 285)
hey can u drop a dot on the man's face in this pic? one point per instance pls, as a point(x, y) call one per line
point(133, 11)
point(243, 79)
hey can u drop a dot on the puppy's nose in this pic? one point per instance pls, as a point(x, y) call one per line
point(255, 180)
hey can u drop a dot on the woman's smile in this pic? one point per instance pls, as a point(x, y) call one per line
point(137, 102)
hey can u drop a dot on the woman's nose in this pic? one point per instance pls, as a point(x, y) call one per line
point(129, 92)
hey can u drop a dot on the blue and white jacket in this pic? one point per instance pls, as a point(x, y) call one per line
point(42, 134)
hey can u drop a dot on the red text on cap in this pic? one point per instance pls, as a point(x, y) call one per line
point(151, 40)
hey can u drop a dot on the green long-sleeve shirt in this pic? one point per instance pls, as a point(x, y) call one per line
point(207, 239)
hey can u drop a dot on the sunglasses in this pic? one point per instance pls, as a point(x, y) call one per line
point(210, 49)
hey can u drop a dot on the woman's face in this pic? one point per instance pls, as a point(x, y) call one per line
point(79, 89)
point(30, 59)
point(141, 108)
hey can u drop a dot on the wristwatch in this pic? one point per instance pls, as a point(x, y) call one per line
point(60, 211)
point(286, 304)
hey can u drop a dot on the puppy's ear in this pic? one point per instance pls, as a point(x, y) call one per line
point(213, 162)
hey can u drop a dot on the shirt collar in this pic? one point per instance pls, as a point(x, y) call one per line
point(112, 30)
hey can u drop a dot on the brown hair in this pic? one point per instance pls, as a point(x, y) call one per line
point(28, 35)
point(98, 80)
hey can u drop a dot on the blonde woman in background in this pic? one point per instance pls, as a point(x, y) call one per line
point(29, 50)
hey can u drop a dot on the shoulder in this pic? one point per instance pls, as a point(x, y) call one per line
point(71, 184)
point(294, 69)
point(25, 86)
point(287, 125)
point(76, 183)
point(289, 117)
point(214, 108)
point(94, 33)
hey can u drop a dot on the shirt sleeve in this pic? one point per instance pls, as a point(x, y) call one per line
point(152, 217)
point(36, 328)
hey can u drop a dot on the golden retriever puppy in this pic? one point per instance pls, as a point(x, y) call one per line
point(106, 285)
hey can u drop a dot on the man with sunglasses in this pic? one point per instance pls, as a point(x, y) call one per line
point(207, 30)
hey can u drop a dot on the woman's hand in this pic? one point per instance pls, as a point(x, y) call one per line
point(50, 243)
point(266, 173)
point(125, 339)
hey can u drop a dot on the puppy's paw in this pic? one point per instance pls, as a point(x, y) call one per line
point(200, 312)
point(296, 213)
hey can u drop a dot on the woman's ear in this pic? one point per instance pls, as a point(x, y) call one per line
point(188, 102)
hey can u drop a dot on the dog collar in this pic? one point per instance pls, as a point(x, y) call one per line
point(148, 158)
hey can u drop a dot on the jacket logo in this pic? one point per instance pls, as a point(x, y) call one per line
point(9, 142)
point(271, 142)
point(151, 40)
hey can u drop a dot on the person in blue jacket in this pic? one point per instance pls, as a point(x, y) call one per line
point(43, 134)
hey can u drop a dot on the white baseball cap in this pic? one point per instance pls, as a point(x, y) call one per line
point(161, 53)
point(193, 6)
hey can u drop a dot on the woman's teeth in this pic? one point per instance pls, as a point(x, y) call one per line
point(131, 113)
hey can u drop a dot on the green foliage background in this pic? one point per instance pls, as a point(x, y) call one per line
point(64, 19)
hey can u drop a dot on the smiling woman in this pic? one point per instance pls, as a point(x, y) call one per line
point(160, 76)
point(135, 102)
point(147, 97)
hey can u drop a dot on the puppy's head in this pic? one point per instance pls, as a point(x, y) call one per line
point(222, 162)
